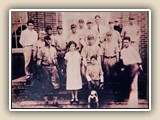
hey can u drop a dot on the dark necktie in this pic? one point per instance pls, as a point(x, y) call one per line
point(98, 29)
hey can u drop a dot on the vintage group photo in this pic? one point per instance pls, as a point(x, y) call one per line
point(79, 60)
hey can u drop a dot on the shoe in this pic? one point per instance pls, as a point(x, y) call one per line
point(56, 104)
point(76, 100)
point(72, 101)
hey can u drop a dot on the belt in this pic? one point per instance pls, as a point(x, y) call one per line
point(109, 56)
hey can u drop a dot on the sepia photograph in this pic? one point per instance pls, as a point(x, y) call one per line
point(79, 60)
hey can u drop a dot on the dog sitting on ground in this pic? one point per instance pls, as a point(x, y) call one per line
point(93, 101)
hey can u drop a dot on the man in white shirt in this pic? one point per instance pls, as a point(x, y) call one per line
point(132, 62)
point(27, 39)
point(101, 30)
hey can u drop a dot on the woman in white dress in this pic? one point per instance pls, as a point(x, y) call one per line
point(74, 80)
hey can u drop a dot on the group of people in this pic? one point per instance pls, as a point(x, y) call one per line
point(88, 51)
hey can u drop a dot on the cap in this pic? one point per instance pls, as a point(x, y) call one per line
point(108, 33)
point(59, 27)
point(131, 18)
point(110, 21)
point(48, 28)
point(73, 26)
point(89, 21)
point(117, 20)
point(81, 20)
point(42, 32)
point(90, 37)
point(47, 38)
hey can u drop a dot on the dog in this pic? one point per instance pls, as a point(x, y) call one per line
point(93, 101)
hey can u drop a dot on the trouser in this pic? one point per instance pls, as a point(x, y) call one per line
point(27, 59)
point(109, 65)
point(133, 96)
point(51, 80)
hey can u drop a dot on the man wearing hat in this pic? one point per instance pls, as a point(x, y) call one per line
point(89, 50)
point(133, 31)
point(118, 25)
point(60, 41)
point(115, 34)
point(46, 61)
point(80, 30)
point(90, 31)
point(48, 30)
point(110, 52)
point(74, 36)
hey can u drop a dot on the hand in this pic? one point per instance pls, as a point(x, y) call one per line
point(140, 68)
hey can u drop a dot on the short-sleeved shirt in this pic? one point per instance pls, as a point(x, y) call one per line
point(60, 41)
point(47, 55)
point(37, 45)
point(89, 51)
point(110, 48)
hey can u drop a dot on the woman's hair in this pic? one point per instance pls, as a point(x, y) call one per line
point(70, 43)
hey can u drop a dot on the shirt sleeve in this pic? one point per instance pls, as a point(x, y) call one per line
point(22, 38)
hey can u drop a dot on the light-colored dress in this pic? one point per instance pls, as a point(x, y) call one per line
point(74, 80)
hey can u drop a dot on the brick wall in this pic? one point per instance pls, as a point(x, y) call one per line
point(43, 19)
point(141, 19)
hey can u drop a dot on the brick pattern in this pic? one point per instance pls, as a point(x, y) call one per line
point(141, 20)
point(43, 19)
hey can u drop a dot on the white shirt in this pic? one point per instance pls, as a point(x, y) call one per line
point(130, 56)
point(28, 37)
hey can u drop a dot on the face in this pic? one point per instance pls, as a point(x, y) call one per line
point(111, 25)
point(48, 42)
point(91, 41)
point(97, 20)
point(93, 61)
point(72, 47)
point(81, 24)
point(49, 32)
point(89, 25)
point(73, 30)
point(126, 43)
point(116, 23)
point(42, 35)
point(109, 37)
point(60, 31)
point(30, 26)
point(131, 22)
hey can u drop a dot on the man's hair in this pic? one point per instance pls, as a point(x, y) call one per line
point(97, 16)
point(127, 38)
point(30, 21)
point(48, 28)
